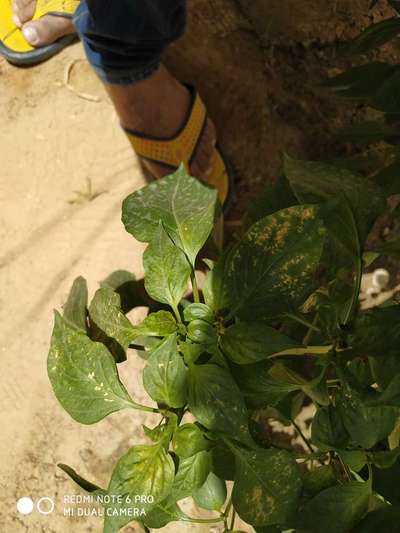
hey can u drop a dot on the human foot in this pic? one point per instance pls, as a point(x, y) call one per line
point(157, 107)
point(43, 31)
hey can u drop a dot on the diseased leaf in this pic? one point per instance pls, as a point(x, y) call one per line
point(147, 471)
point(167, 270)
point(130, 289)
point(267, 486)
point(320, 478)
point(216, 287)
point(192, 473)
point(217, 403)
point(250, 342)
point(165, 376)
point(75, 309)
point(212, 494)
point(185, 206)
point(83, 375)
point(337, 509)
point(272, 268)
point(105, 311)
point(162, 514)
point(188, 440)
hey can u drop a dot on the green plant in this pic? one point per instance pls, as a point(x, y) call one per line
point(275, 325)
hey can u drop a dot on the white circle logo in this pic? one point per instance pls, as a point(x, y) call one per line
point(25, 505)
point(45, 505)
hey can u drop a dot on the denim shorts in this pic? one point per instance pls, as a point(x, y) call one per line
point(124, 39)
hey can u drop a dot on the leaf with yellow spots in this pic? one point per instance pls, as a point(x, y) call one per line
point(271, 270)
point(267, 486)
point(84, 375)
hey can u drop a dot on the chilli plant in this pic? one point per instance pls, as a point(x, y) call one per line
point(276, 325)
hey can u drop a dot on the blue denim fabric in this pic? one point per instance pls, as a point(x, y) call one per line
point(124, 39)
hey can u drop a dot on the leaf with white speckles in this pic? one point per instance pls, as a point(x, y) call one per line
point(167, 270)
point(272, 268)
point(217, 403)
point(165, 376)
point(267, 486)
point(84, 375)
point(184, 205)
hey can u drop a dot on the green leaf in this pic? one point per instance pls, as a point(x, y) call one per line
point(185, 206)
point(130, 290)
point(355, 460)
point(159, 324)
point(192, 473)
point(365, 425)
point(165, 376)
point(80, 481)
point(385, 459)
point(147, 471)
point(267, 486)
point(162, 514)
point(387, 97)
point(385, 520)
point(216, 401)
point(337, 509)
point(376, 332)
point(84, 375)
point(361, 82)
point(167, 270)
point(374, 36)
point(105, 311)
point(223, 461)
point(188, 440)
point(386, 482)
point(75, 308)
point(272, 268)
point(198, 311)
point(250, 342)
point(216, 288)
point(327, 430)
point(212, 494)
point(321, 478)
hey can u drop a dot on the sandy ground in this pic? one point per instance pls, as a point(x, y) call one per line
point(52, 141)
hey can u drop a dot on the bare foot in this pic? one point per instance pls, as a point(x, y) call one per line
point(43, 31)
point(158, 106)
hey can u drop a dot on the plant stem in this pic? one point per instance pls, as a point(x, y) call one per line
point(233, 519)
point(140, 407)
point(302, 436)
point(307, 350)
point(303, 322)
point(195, 288)
point(177, 313)
point(311, 330)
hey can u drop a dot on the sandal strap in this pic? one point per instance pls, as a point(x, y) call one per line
point(64, 8)
point(180, 148)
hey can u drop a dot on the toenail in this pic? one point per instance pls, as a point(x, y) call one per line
point(31, 35)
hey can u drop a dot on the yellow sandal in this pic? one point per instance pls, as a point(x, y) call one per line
point(181, 148)
point(13, 45)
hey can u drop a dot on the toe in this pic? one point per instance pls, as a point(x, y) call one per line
point(23, 11)
point(47, 30)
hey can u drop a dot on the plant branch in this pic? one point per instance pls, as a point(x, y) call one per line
point(304, 322)
point(195, 288)
point(302, 436)
point(177, 313)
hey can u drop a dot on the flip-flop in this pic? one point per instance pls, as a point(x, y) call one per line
point(13, 45)
point(181, 148)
